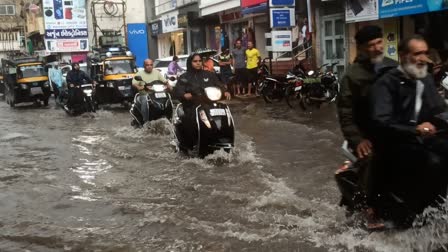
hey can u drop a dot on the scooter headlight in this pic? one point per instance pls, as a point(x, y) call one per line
point(204, 119)
point(158, 88)
point(310, 73)
point(213, 93)
point(23, 86)
point(88, 92)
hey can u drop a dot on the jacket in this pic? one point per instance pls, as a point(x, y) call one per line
point(392, 100)
point(77, 77)
point(194, 81)
point(352, 103)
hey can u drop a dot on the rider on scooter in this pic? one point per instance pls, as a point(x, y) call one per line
point(191, 85)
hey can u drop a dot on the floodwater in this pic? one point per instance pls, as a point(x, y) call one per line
point(93, 183)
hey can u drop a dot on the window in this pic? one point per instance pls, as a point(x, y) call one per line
point(7, 10)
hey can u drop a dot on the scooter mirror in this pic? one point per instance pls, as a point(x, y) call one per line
point(138, 78)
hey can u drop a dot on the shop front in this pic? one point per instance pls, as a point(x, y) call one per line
point(173, 40)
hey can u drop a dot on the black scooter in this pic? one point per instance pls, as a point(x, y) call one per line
point(159, 103)
point(399, 207)
point(215, 126)
point(84, 100)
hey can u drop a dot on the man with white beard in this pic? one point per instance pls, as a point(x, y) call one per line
point(353, 109)
point(404, 104)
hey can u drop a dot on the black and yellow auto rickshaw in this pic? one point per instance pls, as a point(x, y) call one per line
point(25, 80)
point(113, 68)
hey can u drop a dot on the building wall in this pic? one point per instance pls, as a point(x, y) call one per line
point(11, 28)
point(135, 13)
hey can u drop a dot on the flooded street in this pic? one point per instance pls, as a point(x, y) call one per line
point(96, 184)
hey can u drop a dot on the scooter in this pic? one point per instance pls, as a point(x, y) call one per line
point(399, 207)
point(159, 103)
point(215, 125)
point(84, 100)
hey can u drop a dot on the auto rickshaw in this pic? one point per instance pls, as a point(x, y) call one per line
point(113, 68)
point(25, 80)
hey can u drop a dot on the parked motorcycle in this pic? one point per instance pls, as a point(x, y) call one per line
point(159, 103)
point(215, 126)
point(313, 89)
point(84, 100)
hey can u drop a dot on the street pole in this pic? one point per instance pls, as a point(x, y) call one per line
point(270, 53)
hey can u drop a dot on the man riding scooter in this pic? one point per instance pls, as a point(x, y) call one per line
point(406, 111)
point(75, 78)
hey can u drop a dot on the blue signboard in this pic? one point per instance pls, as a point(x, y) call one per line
point(282, 2)
point(395, 8)
point(138, 42)
point(282, 18)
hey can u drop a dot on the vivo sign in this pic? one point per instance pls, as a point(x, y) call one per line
point(137, 32)
point(169, 22)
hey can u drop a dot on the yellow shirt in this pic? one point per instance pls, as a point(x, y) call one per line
point(252, 56)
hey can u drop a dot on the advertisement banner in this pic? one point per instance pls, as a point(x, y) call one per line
point(275, 3)
point(357, 11)
point(169, 22)
point(282, 18)
point(138, 42)
point(391, 38)
point(393, 8)
point(65, 25)
point(250, 3)
point(281, 41)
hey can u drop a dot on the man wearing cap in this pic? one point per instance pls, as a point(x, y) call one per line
point(405, 105)
point(352, 104)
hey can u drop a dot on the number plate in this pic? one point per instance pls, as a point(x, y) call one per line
point(217, 112)
point(121, 87)
point(36, 90)
point(297, 88)
point(160, 95)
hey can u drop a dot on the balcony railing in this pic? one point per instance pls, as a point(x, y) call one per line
point(169, 5)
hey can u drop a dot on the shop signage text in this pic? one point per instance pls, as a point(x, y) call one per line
point(394, 8)
point(156, 28)
point(249, 3)
point(169, 23)
point(281, 18)
point(281, 41)
point(282, 2)
point(138, 42)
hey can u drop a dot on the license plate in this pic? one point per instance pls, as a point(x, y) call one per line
point(121, 87)
point(297, 88)
point(160, 95)
point(217, 112)
point(36, 90)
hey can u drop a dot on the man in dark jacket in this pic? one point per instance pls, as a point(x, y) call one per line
point(191, 84)
point(404, 105)
point(75, 78)
point(352, 104)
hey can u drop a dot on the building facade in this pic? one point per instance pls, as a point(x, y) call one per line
point(12, 28)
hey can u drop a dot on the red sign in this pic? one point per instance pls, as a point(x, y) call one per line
point(249, 3)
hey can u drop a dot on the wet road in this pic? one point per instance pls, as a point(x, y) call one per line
point(96, 184)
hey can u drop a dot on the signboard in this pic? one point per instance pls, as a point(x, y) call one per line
point(156, 28)
point(169, 22)
point(281, 41)
point(275, 3)
point(138, 42)
point(394, 8)
point(391, 38)
point(282, 18)
point(65, 25)
point(250, 3)
point(357, 11)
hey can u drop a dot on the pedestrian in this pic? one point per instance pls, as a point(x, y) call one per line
point(225, 60)
point(148, 75)
point(352, 104)
point(173, 67)
point(405, 103)
point(239, 66)
point(56, 80)
point(253, 59)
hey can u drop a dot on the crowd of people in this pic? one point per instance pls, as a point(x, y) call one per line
point(388, 114)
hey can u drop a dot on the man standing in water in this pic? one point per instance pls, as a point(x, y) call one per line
point(353, 106)
point(252, 62)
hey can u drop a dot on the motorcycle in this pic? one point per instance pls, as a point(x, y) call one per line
point(215, 126)
point(312, 89)
point(159, 103)
point(399, 207)
point(84, 100)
